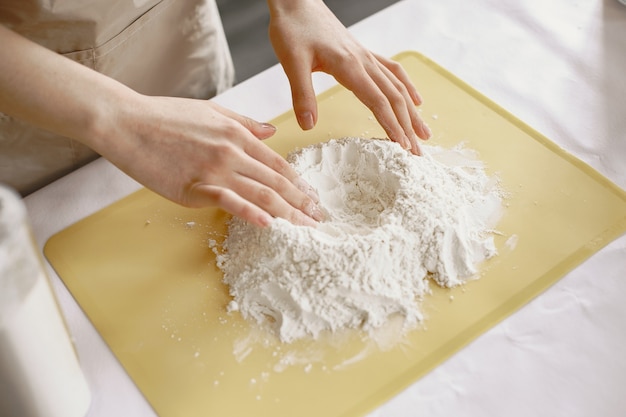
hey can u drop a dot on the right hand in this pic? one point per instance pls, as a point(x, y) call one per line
point(308, 37)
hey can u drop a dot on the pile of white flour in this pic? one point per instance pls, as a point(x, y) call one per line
point(394, 220)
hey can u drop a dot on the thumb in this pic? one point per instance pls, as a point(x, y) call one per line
point(258, 129)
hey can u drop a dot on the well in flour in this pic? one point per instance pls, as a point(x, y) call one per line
point(394, 220)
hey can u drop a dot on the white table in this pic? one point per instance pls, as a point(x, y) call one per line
point(560, 66)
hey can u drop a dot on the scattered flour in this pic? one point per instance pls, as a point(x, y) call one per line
point(393, 221)
point(511, 242)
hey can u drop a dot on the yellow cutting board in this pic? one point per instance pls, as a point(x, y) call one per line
point(144, 275)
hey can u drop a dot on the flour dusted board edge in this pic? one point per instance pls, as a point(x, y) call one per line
point(125, 275)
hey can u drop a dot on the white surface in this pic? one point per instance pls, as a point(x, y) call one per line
point(560, 66)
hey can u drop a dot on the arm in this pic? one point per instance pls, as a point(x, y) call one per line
point(307, 37)
point(192, 152)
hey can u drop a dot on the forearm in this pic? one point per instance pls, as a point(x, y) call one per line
point(193, 152)
point(56, 94)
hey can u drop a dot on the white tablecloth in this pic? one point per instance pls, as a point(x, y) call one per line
point(560, 66)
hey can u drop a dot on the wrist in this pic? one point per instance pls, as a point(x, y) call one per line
point(109, 122)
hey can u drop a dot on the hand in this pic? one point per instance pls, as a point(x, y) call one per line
point(192, 152)
point(198, 154)
point(307, 37)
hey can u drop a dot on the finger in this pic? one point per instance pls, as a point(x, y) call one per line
point(365, 89)
point(417, 124)
point(400, 102)
point(271, 200)
point(261, 130)
point(266, 156)
point(282, 189)
point(258, 129)
point(211, 195)
point(251, 187)
point(263, 153)
point(395, 103)
point(298, 72)
point(397, 70)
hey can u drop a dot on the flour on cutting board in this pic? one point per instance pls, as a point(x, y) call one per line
point(395, 222)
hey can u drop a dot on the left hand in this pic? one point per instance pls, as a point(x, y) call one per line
point(308, 37)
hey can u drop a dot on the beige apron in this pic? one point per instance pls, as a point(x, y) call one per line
point(156, 47)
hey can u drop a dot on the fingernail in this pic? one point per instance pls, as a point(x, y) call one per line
point(427, 130)
point(313, 211)
point(265, 219)
point(268, 126)
point(406, 143)
point(307, 189)
point(417, 98)
point(417, 150)
point(318, 214)
point(306, 120)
